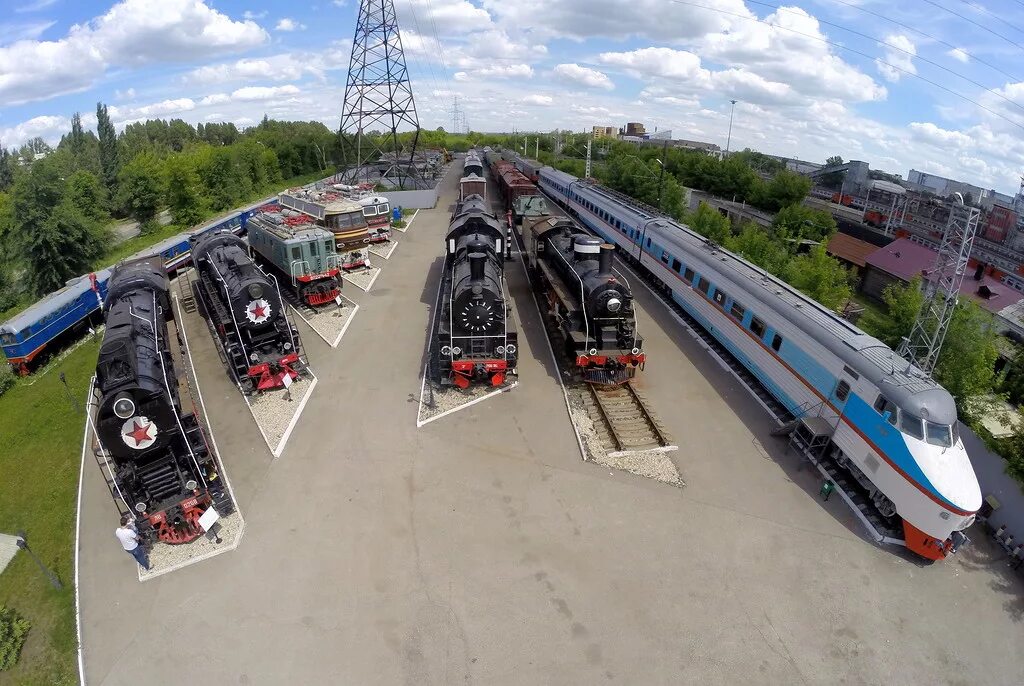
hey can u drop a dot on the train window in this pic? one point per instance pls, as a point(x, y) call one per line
point(648, 242)
point(911, 425)
point(688, 275)
point(7, 339)
point(777, 343)
point(314, 248)
point(703, 285)
point(883, 405)
point(849, 372)
point(296, 253)
point(664, 256)
point(938, 434)
point(720, 298)
point(842, 390)
point(758, 327)
point(676, 265)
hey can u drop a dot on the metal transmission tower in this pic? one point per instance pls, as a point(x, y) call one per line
point(378, 102)
point(942, 288)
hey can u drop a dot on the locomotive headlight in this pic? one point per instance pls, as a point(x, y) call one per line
point(500, 350)
point(446, 350)
point(254, 357)
point(255, 291)
point(635, 351)
point(287, 345)
point(191, 485)
point(613, 304)
point(124, 406)
point(456, 351)
point(593, 351)
point(140, 506)
point(510, 349)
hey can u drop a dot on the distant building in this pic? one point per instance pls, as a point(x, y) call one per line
point(635, 129)
point(604, 132)
point(943, 187)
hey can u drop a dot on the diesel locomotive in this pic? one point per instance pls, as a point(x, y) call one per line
point(302, 254)
point(475, 336)
point(244, 306)
point(162, 465)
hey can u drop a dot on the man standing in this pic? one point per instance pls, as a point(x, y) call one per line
point(131, 542)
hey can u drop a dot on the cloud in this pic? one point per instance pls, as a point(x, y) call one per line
point(540, 100)
point(959, 55)
point(252, 93)
point(254, 15)
point(132, 33)
point(512, 71)
point(900, 61)
point(34, 6)
point(215, 99)
point(128, 94)
point(156, 110)
point(585, 76)
point(14, 32)
point(451, 16)
point(282, 67)
point(287, 24)
point(48, 127)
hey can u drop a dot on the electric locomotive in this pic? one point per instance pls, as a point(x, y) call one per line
point(475, 339)
point(260, 345)
point(303, 254)
point(586, 298)
point(163, 468)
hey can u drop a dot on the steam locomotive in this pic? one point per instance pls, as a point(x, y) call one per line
point(590, 302)
point(244, 306)
point(475, 340)
point(162, 466)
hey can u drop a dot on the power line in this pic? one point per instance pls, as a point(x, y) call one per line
point(416, 21)
point(913, 54)
point(981, 9)
point(929, 36)
point(980, 26)
point(856, 52)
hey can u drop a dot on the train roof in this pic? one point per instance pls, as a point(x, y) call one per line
point(71, 291)
point(901, 381)
point(278, 225)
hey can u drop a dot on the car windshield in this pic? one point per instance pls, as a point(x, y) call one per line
point(939, 434)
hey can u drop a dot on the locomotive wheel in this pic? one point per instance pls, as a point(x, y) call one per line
point(885, 507)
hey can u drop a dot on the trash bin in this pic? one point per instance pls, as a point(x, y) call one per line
point(396, 214)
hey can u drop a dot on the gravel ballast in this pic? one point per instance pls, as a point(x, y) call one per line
point(330, 321)
point(362, 278)
point(450, 398)
point(274, 412)
point(164, 558)
point(383, 250)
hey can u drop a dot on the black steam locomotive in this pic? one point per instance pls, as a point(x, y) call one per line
point(590, 302)
point(475, 338)
point(161, 463)
point(244, 305)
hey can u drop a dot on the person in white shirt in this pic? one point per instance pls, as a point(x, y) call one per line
point(131, 541)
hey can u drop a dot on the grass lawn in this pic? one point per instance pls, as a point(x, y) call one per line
point(39, 459)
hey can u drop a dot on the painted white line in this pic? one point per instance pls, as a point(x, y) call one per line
point(345, 328)
point(78, 535)
point(225, 548)
point(482, 398)
point(370, 285)
point(295, 418)
point(662, 449)
point(408, 224)
point(384, 255)
point(258, 426)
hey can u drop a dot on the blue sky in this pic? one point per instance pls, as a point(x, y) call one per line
point(807, 84)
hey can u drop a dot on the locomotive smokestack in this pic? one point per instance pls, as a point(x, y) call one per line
point(476, 266)
point(605, 260)
point(586, 248)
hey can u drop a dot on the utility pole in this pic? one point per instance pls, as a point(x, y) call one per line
point(586, 174)
point(728, 141)
point(661, 178)
point(536, 148)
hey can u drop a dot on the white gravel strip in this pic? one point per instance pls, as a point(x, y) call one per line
point(450, 399)
point(330, 321)
point(362, 278)
point(383, 249)
point(277, 411)
point(164, 558)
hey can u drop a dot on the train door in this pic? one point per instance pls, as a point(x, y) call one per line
point(840, 395)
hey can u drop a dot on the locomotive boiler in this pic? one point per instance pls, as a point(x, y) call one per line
point(162, 466)
point(590, 302)
point(244, 305)
point(475, 337)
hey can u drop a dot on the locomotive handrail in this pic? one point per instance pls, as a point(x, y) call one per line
point(583, 292)
point(292, 269)
point(231, 310)
point(103, 452)
point(284, 312)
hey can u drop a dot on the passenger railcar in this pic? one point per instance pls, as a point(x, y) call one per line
point(304, 255)
point(162, 466)
point(893, 428)
point(475, 338)
point(243, 303)
point(583, 295)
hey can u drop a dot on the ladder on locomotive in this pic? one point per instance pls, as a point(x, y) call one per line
point(102, 461)
point(188, 296)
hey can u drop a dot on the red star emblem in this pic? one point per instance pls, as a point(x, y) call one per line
point(139, 433)
point(258, 311)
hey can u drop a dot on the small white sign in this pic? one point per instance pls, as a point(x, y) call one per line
point(286, 380)
point(209, 518)
point(337, 299)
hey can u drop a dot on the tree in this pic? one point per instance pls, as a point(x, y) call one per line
point(86, 192)
point(785, 188)
point(759, 246)
point(139, 188)
point(109, 160)
point(903, 302)
point(77, 138)
point(966, 365)
point(183, 195)
point(6, 169)
point(799, 222)
point(13, 630)
point(820, 276)
point(709, 222)
point(832, 179)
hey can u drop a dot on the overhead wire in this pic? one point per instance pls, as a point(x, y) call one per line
point(421, 35)
point(983, 10)
point(892, 46)
point(971, 21)
point(856, 52)
point(908, 27)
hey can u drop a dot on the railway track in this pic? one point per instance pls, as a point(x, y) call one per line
point(623, 419)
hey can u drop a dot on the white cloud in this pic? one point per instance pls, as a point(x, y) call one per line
point(282, 67)
point(287, 24)
point(131, 33)
point(34, 6)
point(541, 100)
point(128, 94)
point(248, 14)
point(156, 110)
point(512, 71)
point(591, 78)
point(899, 57)
point(251, 93)
point(215, 99)
point(450, 16)
point(339, 3)
point(49, 127)
point(959, 55)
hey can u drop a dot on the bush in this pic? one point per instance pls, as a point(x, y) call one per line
point(7, 378)
point(13, 630)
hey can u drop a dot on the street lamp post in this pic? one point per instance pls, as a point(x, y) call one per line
point(728, 141)
point(661, 177)
point(23, 544)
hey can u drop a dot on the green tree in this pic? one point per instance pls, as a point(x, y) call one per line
point(77, 138)
point(6, 169)
point(109, 159)
point(820, 276)
point(86, 192)
point(966, 365)
point(759, 246)
point(139, 188)
point(709, 222)
point(903, 302)
point(13, 630)
point(799, 222)
point(183, 194)
point(785, 188)
point(832, 179)
point(1013, 380)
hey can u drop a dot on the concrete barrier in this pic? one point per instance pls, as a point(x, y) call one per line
point(418, 200)
point(996, 483)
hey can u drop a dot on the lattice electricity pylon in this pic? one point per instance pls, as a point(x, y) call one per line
point(378, 99)
point(942, 289)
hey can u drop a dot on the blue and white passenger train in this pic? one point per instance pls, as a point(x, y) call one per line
point(892, 428)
